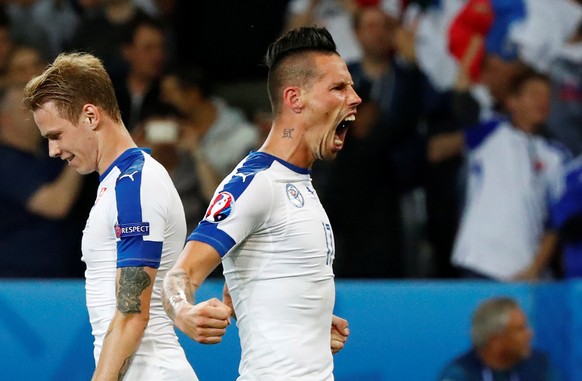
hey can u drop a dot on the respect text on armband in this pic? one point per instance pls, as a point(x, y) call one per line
point(132, 229)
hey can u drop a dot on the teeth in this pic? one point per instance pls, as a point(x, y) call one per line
point(350, 118)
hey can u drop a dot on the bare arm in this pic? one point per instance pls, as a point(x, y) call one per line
point(54, 200)
point(204, 322)
point(133, 295)
point(445, 146)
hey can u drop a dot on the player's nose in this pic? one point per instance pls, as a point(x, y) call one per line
point(54, 149)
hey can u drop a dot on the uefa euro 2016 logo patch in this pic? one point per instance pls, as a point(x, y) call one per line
point(132, 229)
point(220, 207)
point(295, 196)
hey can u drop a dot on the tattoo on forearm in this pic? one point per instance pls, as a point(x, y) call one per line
point(181, 282)
point(176, 286)
point(288, 133)
point(124, 368)
point(132, 282)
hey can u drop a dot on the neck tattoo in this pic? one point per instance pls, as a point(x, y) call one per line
point(288, 133)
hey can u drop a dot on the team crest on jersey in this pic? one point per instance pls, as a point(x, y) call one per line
point(220, 207)
point(132, 229)
point(295, 196)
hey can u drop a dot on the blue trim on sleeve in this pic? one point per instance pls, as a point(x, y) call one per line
point(137, 252)
point(209, 233)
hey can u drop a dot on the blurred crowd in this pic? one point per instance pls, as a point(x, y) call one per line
point(462, 163)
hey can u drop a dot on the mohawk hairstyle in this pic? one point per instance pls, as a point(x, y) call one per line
point(299, 40)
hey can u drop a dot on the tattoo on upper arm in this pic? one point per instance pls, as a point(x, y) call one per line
point(132, 282)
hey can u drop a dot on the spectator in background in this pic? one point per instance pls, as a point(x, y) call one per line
point(36, 198)
point(228, 40)
point(100, 31)
point(383, 143)
point(512, 169)
point(52, 27)
point(165, 11)
point(23, 63)
point(217, 133)
point(501, 348)
point(468, 103)
point(465, 85)
point(337, 17)
point(26, 28)
point(163, 135)
point(138, 90)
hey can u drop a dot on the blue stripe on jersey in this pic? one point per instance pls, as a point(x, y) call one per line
point(475, 135)
point(133, 250)
point(137, 252)
point(208, 232)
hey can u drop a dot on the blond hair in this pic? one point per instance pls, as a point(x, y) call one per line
point(71, 81)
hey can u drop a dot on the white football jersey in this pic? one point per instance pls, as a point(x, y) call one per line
point(507, 199)
point(137, 220)
point(267, 222)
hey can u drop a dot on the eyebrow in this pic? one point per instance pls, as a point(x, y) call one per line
point(52, 135)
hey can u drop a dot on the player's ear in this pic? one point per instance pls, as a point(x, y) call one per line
point(90, 116)
point(292, 99)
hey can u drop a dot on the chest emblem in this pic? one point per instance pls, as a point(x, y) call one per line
point(294, 196)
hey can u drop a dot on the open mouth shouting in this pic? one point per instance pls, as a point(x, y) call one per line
point(341, 131)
